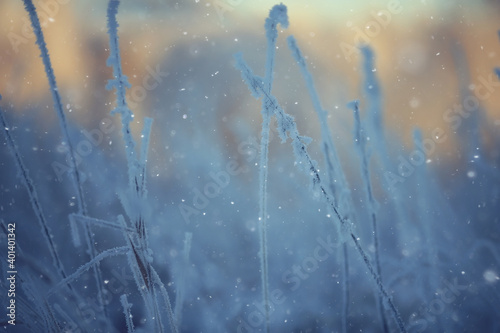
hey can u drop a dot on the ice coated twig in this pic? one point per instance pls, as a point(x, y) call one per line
point(32, 193)
point(146, 277)
point(126, 312)
point(334, 168)
point(82, 208)
point(375, 128)
point(120, 83)
point(179, 300)
point(380, 286)
point(136, 164)
point(145, 136)
point(98, 222)
point(287, 128)
point(277, 15)
point(40, 307)
point(103, 255)
point(166, 299)
point(339, 189)
point(360, 140)
point(56, 97)
point(141, 270)
point(139, 254)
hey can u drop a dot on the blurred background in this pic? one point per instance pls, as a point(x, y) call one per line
point(416, 48)
point(435, 61)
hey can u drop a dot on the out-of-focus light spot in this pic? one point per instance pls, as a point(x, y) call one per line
point(490, 276)
point(414, 102)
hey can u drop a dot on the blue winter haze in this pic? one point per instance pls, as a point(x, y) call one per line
point(249, 166)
